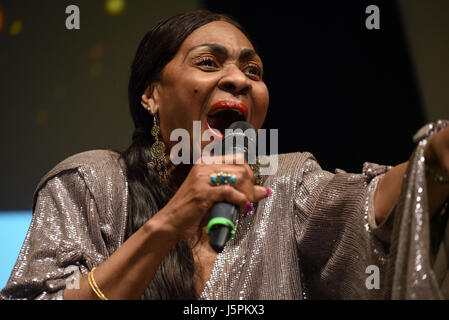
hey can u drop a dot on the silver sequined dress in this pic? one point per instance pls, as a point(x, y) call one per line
point(314, 238)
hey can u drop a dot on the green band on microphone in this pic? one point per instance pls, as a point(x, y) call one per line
point(224, 222)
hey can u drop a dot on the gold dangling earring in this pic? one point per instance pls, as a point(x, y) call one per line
point(157, 151)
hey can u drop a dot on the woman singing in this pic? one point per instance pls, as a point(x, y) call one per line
point(133, 225)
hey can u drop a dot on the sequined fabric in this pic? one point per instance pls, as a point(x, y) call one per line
point(314, 238)
point(78, 221)
point(311, 239)
point(413, 272)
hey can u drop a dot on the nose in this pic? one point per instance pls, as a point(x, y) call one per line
point(235, 82)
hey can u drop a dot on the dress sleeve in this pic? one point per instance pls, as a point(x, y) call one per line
point(64, 239)
point(337, 238)
point(415, 274)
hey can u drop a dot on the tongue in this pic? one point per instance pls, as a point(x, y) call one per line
point(217, 123)
point(222, 119)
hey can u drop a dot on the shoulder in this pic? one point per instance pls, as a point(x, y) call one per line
point(296, 159)
point(87, 159)
point(101, 160)
point(288, 164)
point(289, 170)
point(96, 167)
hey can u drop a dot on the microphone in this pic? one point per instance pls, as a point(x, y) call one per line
point(221, 226)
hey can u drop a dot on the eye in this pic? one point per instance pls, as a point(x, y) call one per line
point(206, 62)
point(253, 71)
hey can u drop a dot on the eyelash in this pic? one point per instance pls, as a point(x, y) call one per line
point(256, 68)
point(201, 62)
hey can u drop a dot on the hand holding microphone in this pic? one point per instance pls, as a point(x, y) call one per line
point(221, 227)
point(185, 214)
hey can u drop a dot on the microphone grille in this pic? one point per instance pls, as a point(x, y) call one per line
point(237, 138)
point(243, 125)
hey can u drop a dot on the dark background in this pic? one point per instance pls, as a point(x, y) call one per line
point(343, 92)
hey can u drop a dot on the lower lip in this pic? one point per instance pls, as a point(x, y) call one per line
point(217, 134)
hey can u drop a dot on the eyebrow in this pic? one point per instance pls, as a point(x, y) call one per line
point(215, 47)
point(244, 54)
point(247, 53)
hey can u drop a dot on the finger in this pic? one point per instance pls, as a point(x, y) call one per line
point(242, 171)
point(261, 192)
point(231, 195)
point(244, 179)
point(235, 158)
point(246, 183)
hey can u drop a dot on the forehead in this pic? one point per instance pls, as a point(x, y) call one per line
point(219, 32)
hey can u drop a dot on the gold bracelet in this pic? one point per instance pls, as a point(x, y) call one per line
point(94, 286)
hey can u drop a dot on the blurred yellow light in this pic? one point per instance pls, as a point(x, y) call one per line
point(16, 28)
point(42, 117)
point(96, 70)
point(115, 7)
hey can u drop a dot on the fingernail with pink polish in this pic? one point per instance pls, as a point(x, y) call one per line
point(269, 192)
point(249, 208)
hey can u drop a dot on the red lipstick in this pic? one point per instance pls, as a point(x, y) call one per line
point(222, 114)
point(231, 105)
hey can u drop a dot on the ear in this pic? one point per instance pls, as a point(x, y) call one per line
point(151, 98)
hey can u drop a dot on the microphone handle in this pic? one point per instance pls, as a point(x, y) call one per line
point(221, 226)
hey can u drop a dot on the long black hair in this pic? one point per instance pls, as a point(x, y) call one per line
point(174, 278)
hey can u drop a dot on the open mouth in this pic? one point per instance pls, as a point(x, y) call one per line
point(221, 119)
point(223, 114)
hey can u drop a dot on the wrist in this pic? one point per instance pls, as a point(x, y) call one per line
point(434, 167)
point(160, 228)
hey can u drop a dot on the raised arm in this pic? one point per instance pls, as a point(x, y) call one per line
point(436, 155)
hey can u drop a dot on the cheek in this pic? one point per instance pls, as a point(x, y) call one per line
point(261, 102)
point(182, 102)
point(189, 92)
